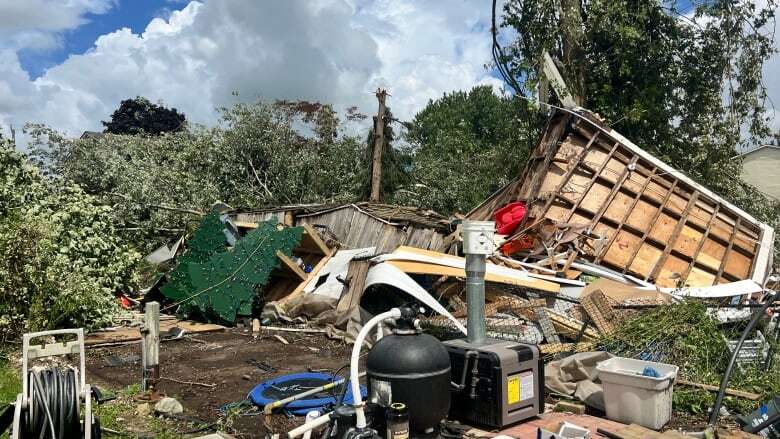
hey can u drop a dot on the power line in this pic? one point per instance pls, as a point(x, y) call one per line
point(498, 57)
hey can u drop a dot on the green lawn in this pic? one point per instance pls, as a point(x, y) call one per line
point(10, 386)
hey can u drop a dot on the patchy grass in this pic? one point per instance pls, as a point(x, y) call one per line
point(10, 386)
point(121, 415)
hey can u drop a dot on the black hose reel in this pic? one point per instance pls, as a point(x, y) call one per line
point(56, 402)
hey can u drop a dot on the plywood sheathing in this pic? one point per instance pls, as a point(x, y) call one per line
point(658, 224)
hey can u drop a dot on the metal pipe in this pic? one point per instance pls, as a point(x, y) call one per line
point(475, 294)
point(727, 376)
point(310, 425)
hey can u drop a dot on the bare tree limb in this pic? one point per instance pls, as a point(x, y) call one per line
point(156, 206)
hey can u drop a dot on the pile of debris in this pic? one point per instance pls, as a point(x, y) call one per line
point(593, 237)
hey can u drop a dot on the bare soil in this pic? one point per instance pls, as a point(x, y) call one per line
point(221, 362)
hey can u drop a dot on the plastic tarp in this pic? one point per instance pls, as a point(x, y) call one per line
point(387, 274)
point(336, 268)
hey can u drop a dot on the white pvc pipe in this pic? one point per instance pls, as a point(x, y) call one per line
point(309, 426)
point(355, 360)
point(312, 415)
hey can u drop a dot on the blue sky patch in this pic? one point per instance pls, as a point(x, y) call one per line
point(133, 14)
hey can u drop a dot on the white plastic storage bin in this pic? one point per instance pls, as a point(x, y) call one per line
point(630, 397)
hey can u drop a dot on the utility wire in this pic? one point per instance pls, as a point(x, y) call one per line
point(499, 57)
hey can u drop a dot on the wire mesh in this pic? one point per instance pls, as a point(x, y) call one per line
point(698, 336)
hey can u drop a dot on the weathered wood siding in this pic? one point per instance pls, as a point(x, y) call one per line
point(356, 229)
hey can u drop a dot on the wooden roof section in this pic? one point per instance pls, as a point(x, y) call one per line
point(654, 221)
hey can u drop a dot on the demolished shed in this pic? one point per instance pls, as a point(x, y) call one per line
point(633, 212)
point(359, 225)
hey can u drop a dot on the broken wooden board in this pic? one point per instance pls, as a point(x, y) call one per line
point(570, 327)
point(635, 431)
point(651, 220)
point(132, 333)
point(419, 261)
point(289, 280)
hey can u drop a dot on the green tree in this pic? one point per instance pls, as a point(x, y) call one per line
point(261, 154)
point(139, 116)
point(464, 146)
point(62, 261)
point(688, 90)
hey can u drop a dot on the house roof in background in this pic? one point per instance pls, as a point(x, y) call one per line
point(758, 149)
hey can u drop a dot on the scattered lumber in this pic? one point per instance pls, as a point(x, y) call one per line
point(132, 334)
point(731, 392)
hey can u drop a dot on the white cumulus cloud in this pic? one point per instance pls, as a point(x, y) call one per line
point(335, 51)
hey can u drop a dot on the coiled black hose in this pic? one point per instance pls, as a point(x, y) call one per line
point(54, 409)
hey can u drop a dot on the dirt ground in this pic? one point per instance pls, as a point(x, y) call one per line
point(220, 361)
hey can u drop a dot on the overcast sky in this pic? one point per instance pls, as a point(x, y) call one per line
point(68, 63)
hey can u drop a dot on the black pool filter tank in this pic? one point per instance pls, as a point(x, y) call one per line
point(413, 369)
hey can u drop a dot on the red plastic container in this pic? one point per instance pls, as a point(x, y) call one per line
point(509, 217)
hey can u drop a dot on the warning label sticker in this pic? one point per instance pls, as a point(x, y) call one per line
point(519, 387)
point(513, 389)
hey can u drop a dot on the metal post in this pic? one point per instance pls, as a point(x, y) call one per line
point(475, 294)
point(477, 245)
point(150, 347)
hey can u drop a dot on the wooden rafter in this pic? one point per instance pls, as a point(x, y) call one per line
point(650, 226)
point(729, 249)
point(615, 189)
point(703, 239)
point(569, 172)
point(551, 148)
point(628, 213)
point(592, 181)
point(673, 237)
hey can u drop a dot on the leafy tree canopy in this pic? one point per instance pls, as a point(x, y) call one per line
point(689, 90)
point(261, 154)
point(62, 259)
point(139, 116)
point(463, 147)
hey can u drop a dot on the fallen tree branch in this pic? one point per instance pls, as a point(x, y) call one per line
point(731, 392)
point(190, 383)
point(257, 177)
point(156, 206)
point(304, 330)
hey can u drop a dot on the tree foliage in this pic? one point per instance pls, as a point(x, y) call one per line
point(139, 116)
point(261, 154)
point(62, 260)
point(687, 89)
point(463, 147)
